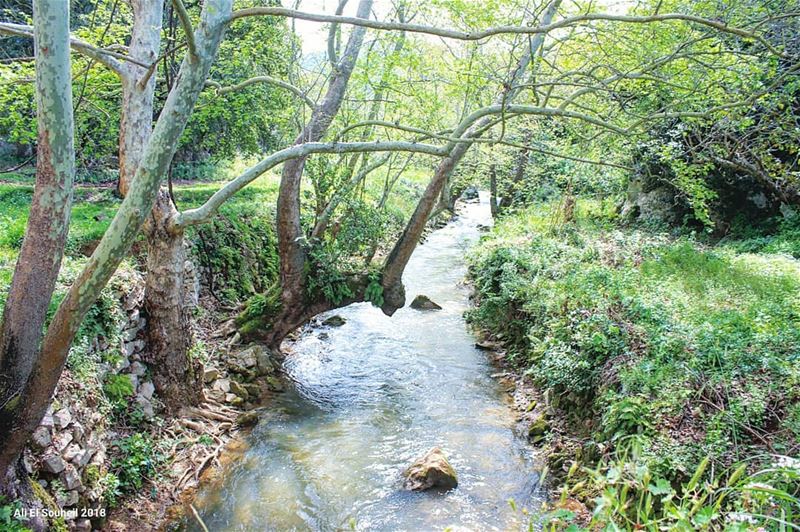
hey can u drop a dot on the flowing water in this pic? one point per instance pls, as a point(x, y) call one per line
point(370, 397)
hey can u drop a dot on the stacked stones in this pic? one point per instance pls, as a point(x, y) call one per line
point(249, 374)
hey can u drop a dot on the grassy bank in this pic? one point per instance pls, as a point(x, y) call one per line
point(665, 362)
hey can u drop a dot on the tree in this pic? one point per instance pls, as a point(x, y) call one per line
point(43, 247)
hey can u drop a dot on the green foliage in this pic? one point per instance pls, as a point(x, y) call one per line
point(137, 460)
point(118, 389)
point(630, 496)
point(9, 512)
point(681, 351)
point(237, 251)
point(259, 311)
point(374, 290)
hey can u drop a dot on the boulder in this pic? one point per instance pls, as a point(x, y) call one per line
point(470, 193)
point(247, 357)
point(334, 321)
point(431, 471)
point(424, 303)
point(239, 390)
point(247, 419)
point(62, 440)
point(274, 383)
point(264, 362)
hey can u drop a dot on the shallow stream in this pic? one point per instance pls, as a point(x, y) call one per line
point(370, 397)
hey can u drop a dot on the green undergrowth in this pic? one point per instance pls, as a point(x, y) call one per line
point(646, 342)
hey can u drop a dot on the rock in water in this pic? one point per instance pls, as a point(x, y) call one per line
point(424, 303)
point(470, 193)
point(431, 471)
point(334, 321)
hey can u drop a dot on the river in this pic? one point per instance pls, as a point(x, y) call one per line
point(370, 397)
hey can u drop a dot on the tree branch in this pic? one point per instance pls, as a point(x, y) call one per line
point(209, 208)
point(507, 30)
point(105, 57)
point(186, 22)
point(263, 79)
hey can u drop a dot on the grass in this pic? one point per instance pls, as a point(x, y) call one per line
point(646, 341)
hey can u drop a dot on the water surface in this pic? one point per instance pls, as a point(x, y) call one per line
point(371, 396)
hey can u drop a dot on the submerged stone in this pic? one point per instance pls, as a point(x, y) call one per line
point(431, 471)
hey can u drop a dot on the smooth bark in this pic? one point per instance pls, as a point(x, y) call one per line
point(119, 236)
point(45, 236)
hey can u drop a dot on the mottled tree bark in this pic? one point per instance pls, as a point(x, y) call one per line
point(120, 235)
point(45, 236)
point(291, 241)
point(176, 376)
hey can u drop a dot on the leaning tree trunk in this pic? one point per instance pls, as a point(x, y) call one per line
point(291, 246)
point(394, 293)
point(43, 247)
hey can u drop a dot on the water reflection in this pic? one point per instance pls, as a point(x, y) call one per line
point(372, 395)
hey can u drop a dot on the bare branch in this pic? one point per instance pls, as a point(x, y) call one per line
point(263, 79)
point(209, 208)
point(507, 30)
point(186, 22)
point(106, 57)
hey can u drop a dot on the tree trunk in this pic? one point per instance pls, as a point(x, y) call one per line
point(176, 376)
point(493, 190)
point(169, 337)
point(119, 236)
point(291, 246)
point(45, 236)
point(394, 293)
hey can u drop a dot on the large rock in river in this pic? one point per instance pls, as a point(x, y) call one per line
point(431, 471)
point(424, 303)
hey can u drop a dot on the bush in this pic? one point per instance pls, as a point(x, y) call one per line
point(682, 350)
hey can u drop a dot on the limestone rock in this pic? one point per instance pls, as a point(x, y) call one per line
point(71, 478)
point(223, 385)
point(431, 471)
point(62, 440)
point(274, 384)
point(41, 437)
point(247, 419)
point(53, 464)
point(247, 357)
point(146, 406)
point(146, 390)
point(264, 362)
point(239, 390)
point(138, 369)
point(210, 375)
point(71, 452)
point(424, 303)
point(538, 429)
point(62, 418)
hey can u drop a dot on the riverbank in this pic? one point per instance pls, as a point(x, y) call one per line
point(663, 363)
